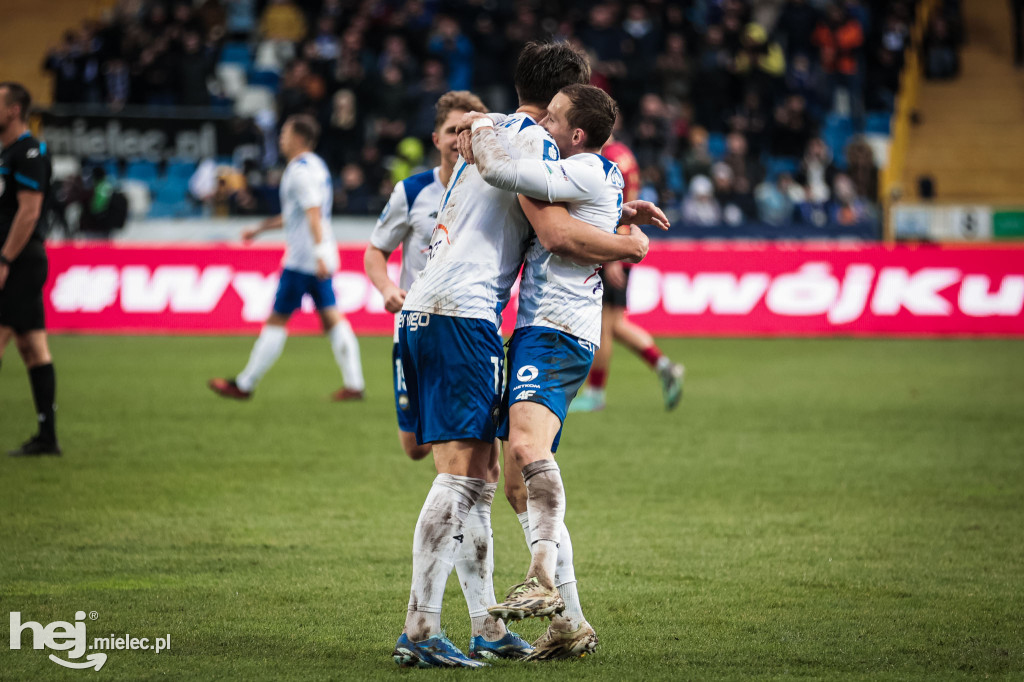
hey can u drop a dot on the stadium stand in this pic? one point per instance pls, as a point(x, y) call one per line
point(780, 75)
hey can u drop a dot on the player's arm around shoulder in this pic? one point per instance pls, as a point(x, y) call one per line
point(581, 242)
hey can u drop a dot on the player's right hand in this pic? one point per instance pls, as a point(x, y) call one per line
point(465, 146)
point(250, 234)
point(640, 240)
point(466, 122)
point(394, 298)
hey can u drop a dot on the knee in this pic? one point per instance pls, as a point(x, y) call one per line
point(523, 451)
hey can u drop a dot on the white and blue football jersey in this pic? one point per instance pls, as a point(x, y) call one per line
point(556, 292)
point(408, 220)
point(477, 247)
point(306, 183)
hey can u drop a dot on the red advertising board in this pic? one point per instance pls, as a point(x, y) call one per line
point(681, 289)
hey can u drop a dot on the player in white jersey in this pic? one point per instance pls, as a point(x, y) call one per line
point(451, 348)
point(408, 221)
point(559, 326)
point(311, 258)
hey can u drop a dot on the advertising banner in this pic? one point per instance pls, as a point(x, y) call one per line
point(681, 289)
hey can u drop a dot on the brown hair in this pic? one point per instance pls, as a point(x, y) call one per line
point(545, 68)
point(593, 111)
point(306, 127)
point(456, 100)
point(17, 94)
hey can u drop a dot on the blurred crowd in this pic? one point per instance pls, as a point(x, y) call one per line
point(725, 103)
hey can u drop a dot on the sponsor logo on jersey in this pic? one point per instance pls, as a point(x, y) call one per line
point(615, 177)
point(32, 153)
point(527, 373)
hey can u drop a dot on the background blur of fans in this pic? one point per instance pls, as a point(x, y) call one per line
point(768, 112)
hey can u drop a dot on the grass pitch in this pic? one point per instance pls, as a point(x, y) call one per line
point(815, 508)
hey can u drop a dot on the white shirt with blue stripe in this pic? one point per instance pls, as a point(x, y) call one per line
point(306, 183)
point(477, 247)
point(556, 292)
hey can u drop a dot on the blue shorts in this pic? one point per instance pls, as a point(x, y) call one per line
point(453, 376)
point(545, 366)
point(406, 420)
point(293, 285)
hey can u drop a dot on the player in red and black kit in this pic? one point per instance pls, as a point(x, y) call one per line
point(24, 180)
point(614, 324)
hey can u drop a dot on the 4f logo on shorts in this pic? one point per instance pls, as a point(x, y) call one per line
point(525, 395)
point(527, 373)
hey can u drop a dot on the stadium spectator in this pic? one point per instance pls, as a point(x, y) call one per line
point(861, 168)
point(282, 21)
point(847, 208)
point(840, 40)
point(775, 201)
point(714, 81)
point(448, 44)
point(653, 133)
point(354, 196)
point(733, 194)
point(747, 170)
point(941, 61)
point(792, 128)
point(700, 207)
point(674, 69)
point(795, 27)
point(817, 172)
point(752, 121)
point(760, 64)
point(64, 62)
point(697, 160)
point(194, 67)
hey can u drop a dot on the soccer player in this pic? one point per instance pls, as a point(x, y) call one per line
point(311, 258)
point(24, 180)
point(551, 350)
point(614, 323)
point(408, 220)
point(451, 346)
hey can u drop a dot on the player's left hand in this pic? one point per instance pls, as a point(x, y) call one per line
point(4, 271)
point(465, 145)
point(321, 269)
point(644, 213)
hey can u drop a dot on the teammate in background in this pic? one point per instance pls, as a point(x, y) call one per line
point(451, 348)
point(551, 350)
point(614, 323)
point(24, 180)
point(311, 258)
point(408, 220)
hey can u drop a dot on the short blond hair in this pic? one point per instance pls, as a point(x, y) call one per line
point(457, 100)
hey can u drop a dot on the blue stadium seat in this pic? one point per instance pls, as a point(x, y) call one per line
point(112, 168)
point(140, 169)
point(170, 190)
point(775, 165)
point(838, 123)
point(268, 79)
point(878, 122)
point(716, 145)
point(236, 53)
point(180, 169)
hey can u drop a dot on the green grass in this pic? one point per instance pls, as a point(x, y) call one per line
point(815, 508)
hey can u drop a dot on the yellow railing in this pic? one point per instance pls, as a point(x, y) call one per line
point(891, 185)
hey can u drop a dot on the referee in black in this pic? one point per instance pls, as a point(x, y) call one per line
point(24, 180)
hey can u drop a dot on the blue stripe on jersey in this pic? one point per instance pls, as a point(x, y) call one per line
point(4, 170)
point(449, 192)
point(42, 148)
point(414, 184)
point(527, 122)
point(25, 180)
point(606, 163)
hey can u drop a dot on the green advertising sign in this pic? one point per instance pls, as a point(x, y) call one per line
point(1008, 224)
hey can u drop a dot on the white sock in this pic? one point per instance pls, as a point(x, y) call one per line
point(436, 542)
point(475, 565)
point(346, 354)
point(565, 573)
point(546, 506)
point(265, 353)
point(662, 364)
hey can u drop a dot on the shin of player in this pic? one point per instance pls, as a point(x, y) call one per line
point(311, 258)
